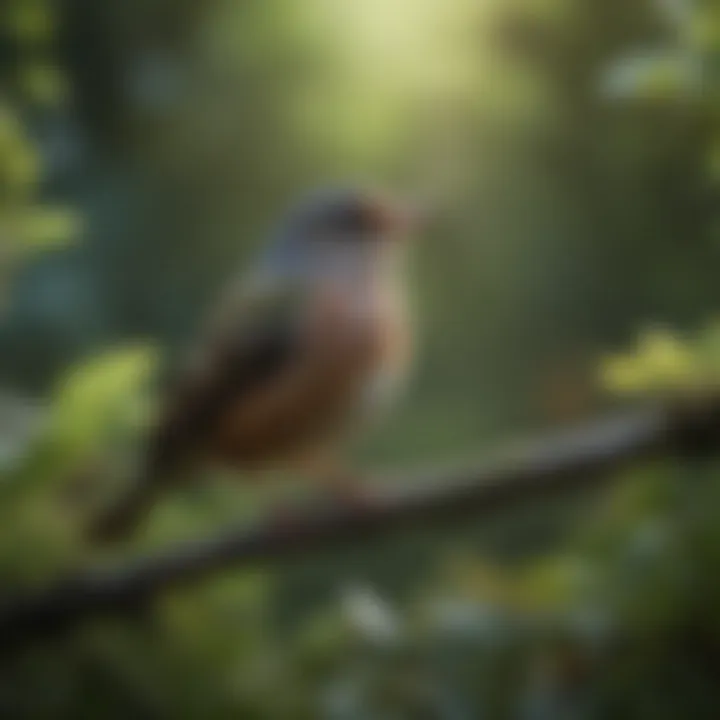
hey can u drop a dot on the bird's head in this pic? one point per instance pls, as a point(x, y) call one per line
point(350, 217)
point(340, 228)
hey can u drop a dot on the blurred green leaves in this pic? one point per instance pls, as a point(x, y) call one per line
point(664, 362)
point(102, 398)
point(68, 457)
point(26, 225)
point(47, 228)
point(19, 162)
point(30, 20)
point(31, 26)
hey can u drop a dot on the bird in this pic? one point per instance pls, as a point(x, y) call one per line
point(301, 352)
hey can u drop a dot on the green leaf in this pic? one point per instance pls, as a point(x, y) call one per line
point(46, 228)
point(101, 396)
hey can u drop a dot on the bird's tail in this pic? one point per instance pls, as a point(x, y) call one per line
point(122, 518)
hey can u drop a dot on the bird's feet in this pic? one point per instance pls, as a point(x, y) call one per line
point(346, 491)
point(337, 492)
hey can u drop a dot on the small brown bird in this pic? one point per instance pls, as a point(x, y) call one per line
point(314, 339)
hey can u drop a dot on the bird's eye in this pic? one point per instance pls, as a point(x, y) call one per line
point(350, 218)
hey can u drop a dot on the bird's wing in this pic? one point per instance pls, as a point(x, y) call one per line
point(252, 340)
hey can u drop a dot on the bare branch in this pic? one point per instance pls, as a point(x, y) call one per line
point(562, 462)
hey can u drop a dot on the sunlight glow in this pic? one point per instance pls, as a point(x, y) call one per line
point(413, 45)
point(394, 67)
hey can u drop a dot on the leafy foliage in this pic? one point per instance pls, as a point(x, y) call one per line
point(27, 226)
point(662, 363)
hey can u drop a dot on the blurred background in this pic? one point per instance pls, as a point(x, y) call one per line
point(146, 147)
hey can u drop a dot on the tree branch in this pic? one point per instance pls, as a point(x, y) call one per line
point(560, 462)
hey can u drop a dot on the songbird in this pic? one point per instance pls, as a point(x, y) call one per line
point(308, 344)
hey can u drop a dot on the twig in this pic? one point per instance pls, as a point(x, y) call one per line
point(562, 462)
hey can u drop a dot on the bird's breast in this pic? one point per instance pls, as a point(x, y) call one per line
point(390, 339)
point(355, 350)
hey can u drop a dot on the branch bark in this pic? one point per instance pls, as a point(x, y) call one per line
point(554, 464)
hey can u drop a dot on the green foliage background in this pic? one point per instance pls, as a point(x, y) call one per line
point(145, 148)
